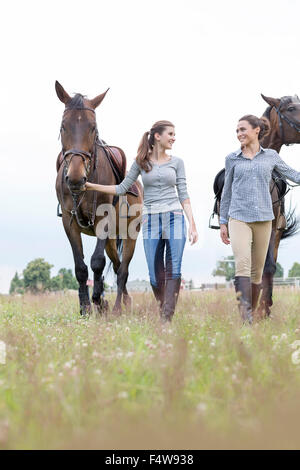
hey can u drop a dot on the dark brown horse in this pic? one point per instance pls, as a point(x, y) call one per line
point(284, 117)
point(84, 157)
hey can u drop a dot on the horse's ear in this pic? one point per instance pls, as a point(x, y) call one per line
point(271, 101)
point(61, 93)
point(98, 99)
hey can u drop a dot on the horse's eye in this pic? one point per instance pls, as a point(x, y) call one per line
point(291, 108)
point(62, 128)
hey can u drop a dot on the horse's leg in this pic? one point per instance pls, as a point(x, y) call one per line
point(122, 275)
point(112, 253)
point(97, 265)
point(81, 270)
point(267, 279)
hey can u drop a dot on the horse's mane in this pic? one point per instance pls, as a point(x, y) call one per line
point(76, 102)
point(267, 112)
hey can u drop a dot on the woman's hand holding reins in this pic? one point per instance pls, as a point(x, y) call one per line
point(224, 234)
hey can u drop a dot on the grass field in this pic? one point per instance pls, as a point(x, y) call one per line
point(129, 382)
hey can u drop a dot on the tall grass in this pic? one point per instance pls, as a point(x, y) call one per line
point(203, 381)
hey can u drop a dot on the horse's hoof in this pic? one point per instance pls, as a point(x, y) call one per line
point(117, 310)
point(85, 310)
point(127, 301)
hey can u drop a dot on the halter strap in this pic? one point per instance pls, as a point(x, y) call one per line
point(287, 120)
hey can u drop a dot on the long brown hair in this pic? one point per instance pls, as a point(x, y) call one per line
point(147, 144)
point(263, 123)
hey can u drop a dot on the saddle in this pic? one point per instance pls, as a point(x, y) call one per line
point(117, 161)
point(276, 179)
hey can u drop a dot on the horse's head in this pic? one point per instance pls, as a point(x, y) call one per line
point(78, 136)
point(284, 116)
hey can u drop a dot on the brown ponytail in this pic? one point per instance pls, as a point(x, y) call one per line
point(263, 123)
point(147, 144)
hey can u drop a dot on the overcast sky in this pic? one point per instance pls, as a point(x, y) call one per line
point(201, 65)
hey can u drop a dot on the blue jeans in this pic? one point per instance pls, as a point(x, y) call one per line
point(160, 231)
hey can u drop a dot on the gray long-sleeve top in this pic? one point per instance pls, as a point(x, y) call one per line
point(246, 193)
point(159, 185)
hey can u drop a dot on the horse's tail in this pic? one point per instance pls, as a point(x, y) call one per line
point(292, 224)
point(119, 242)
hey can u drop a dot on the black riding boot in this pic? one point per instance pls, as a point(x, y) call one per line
point(244, 296)
point(159, 294)
point(256, 288)
point(171, 296)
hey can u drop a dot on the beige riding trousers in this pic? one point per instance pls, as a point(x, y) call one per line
point(249, 241)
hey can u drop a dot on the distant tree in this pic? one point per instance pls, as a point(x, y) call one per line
point(56, 283)
point(36, 275)
point(279, 270)
point(295, 270)
point(225, 268)
point(68, 280)
point(106, 286)
point(16, 285)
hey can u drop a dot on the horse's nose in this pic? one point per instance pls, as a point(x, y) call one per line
point(76, 185)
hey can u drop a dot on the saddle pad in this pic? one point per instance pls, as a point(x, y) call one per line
point(133, 190)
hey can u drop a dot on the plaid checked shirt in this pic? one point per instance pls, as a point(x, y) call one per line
point(246, 193)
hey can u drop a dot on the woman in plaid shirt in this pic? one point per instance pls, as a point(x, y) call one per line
point(246, 210)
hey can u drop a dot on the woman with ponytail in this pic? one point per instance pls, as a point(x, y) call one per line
point(163, 222)
point(246, 210)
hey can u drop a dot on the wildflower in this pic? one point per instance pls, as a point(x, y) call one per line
point(274, 338)
point(69, 364)
point(169, 346)
point(296, 357)
point(84, 345)
point(129, 354)
point(295, 344)
point(127, 329)
point(95, 354)
point(123, 395)
point(201, 408)
point(98, 372)
point(283, 337)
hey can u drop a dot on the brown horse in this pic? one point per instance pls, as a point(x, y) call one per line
point(284, 117)
point(84, 157)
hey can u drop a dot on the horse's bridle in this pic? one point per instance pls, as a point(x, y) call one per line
point(78, 198)
point(286, 119)
point(81, 153)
